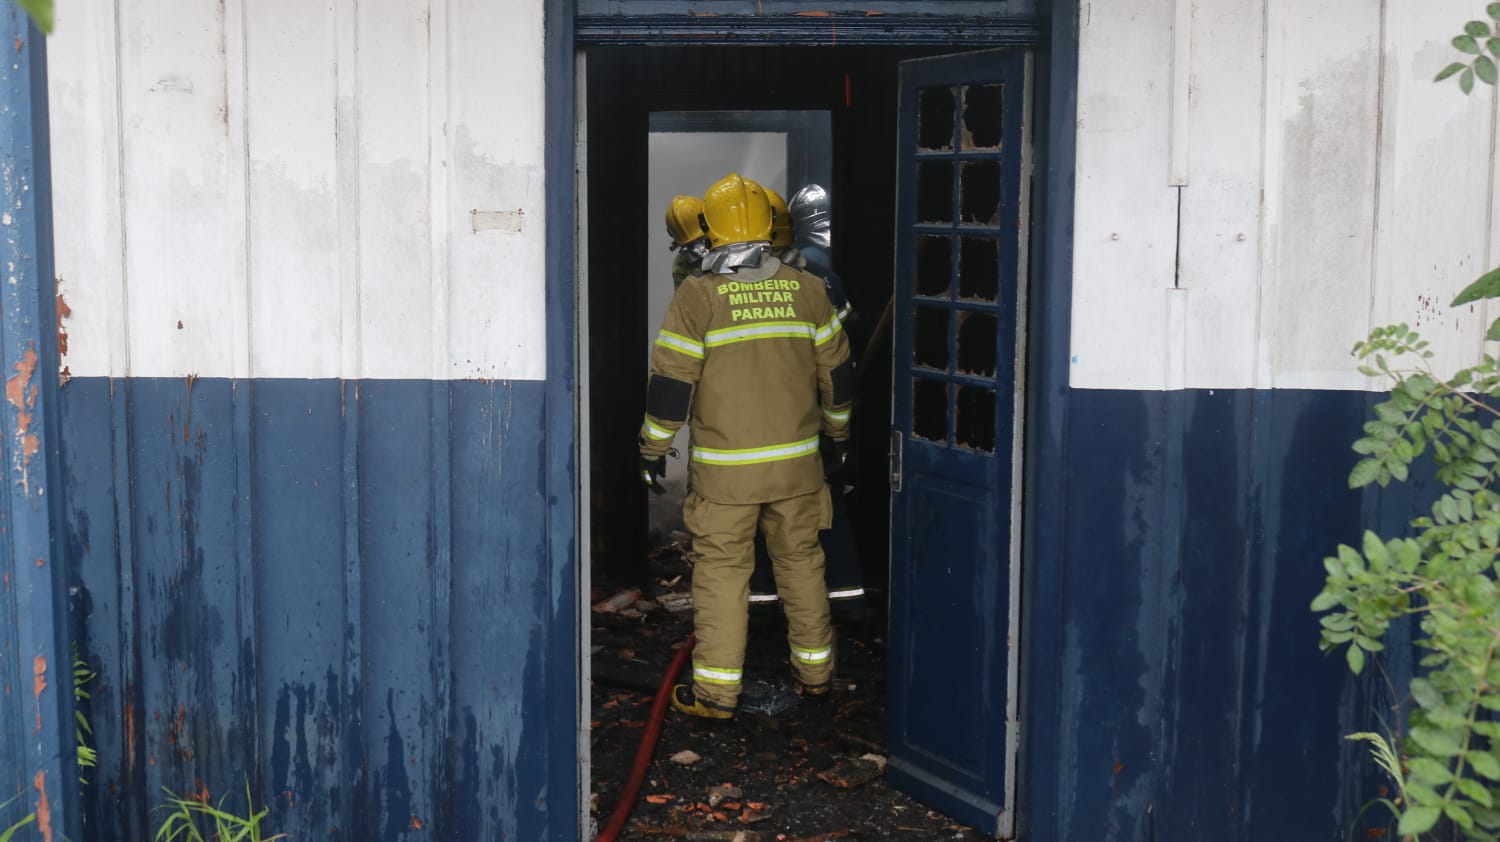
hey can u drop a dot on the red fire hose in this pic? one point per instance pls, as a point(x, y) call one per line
point(643, 754)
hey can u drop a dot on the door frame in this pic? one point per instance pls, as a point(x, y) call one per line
point(1054, 37)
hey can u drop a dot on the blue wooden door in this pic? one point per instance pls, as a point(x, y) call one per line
point(958, 381)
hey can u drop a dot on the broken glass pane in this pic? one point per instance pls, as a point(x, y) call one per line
point(978, 269)
point(934, 191)
point(935, 119)
point(934, 265)
point(930, 338)
point(979, 192)
point(977, 344)
point(929, 410)
point(974, 426)
point(983, 116)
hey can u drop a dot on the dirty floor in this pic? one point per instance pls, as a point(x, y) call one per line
point(809, 773)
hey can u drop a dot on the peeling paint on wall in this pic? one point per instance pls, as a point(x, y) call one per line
point(21, 392)
point(38, 686)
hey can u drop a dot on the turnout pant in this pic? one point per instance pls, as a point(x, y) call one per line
point(841, 570)
point(723, 538)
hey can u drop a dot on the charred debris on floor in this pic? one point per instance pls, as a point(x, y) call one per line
point(787, 768)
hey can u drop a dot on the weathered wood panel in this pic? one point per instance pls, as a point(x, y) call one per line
point(350, 190)
point(1327, 185)
point(1126, 210)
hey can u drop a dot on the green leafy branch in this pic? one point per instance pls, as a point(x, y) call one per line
point(1479, 37)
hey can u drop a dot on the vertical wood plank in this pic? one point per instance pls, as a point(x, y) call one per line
point(1430, 235)
point(395, 257)
point(497, 224)
point(1126, 218)
point(1219, 233)
point(292, 84)
point(186, 249)
point(83, 96)
point(1328, 108)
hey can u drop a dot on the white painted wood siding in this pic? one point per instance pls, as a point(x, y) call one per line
point(288, 189)
point(1324, 185)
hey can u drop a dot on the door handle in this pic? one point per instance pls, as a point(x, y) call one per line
point(895, 456)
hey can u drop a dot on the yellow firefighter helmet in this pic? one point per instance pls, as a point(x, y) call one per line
point(684, 219)
point(737, 211)
point(781, 221)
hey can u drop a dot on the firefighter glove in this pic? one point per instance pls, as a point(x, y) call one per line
point(835, 455)
point(652, 469)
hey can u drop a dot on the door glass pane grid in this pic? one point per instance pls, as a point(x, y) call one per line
point(931, 409)
point(978, 269)
point(981, 116)
point(937, 118)
point(935, 261)
point(974, 419)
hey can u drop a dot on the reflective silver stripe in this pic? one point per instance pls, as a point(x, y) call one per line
point(846, 594)
point(836, 415)
point(667, 339)
point(768, 330)
point(827, 331)
point(812, 656)
point(716, 676)
point(761, 597)
point(844, 312)
point(656, 432)
point(756, 455)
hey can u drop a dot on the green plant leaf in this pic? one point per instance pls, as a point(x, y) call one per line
point(41, 13)
point(1356, 658)
point(1466, 44)
point(1477, 28)
point(1485, 286)
point(1493, 45)
point(1484, 763)
point(1466, 81)
point(1417, 820)
point(1484, 68)
point(1458, 814)
point(1425, 694)
point(1431, 771)
point(1324, 601)
point(1354, 564)
point(1449, 71)
point(1375, 551)
point(1440, 743)
point(1493, 10)
point(1365, 471)
point(1476, 791)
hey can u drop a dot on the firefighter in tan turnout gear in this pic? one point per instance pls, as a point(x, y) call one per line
point(753, 357)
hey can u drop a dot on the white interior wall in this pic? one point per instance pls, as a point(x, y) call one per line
point(277, 189)
point(1319, 185)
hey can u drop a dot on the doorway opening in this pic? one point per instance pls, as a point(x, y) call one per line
point(657, 119)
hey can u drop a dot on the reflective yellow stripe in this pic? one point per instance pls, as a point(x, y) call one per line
point(835, 415)
point(827, 332)
point(655, 432)
point(715, 675)
point(762, 330)
point(812, 656)
point(756, 455)
point(681, 344)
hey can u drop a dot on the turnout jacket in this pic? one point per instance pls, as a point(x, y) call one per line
point(757, 362)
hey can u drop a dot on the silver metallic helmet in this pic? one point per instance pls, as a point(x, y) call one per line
point(812, 217)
